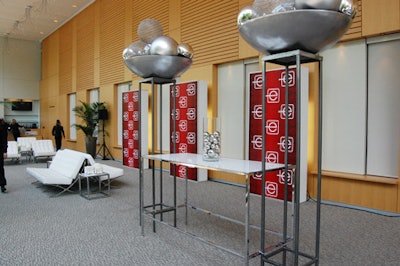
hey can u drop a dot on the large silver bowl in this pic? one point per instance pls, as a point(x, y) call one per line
point(309, 30)
point(160, 66)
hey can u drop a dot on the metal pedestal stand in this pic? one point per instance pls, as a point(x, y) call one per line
point(290, 244)
point(157, 207)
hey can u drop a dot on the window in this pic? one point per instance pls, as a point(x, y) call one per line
point(124, 87)
point(72, 117)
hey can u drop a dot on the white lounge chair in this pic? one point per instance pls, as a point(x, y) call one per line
point(62, 172)
point(43, 148)
point(12, 151)
point(25, 146)
point(114, 172)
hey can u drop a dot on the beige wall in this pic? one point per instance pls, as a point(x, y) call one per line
point(86, 53)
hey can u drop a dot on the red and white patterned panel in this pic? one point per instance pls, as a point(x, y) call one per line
point(274, 129)
point(186, 114)
point(130, 122)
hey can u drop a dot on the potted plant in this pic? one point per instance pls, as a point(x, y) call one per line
point(88, 113)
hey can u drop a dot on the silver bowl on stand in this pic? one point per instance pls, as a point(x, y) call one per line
point(160, 66)
point(309, 30)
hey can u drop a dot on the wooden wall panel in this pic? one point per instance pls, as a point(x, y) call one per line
point(45, 59)
point(65, 62)
point(380, 17)
point(85, 33)
point(112, 15)
point(210, 28)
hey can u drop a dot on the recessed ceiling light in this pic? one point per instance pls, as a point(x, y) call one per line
point(74, 6)
point(41, 32)
point(55, 21)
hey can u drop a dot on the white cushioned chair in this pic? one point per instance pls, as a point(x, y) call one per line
point(62, 172)
point(12, 151)
point(43, 148)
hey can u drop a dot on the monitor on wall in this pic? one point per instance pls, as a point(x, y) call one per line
point(21, 106)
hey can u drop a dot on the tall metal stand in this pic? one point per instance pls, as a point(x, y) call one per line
point(290, 245)
point(103, 146)
point(157, 207)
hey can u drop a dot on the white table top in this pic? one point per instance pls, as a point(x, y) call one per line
point(244, 167)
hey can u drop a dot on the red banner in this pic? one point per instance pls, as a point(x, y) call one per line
point(186, 117)
point(273, 130)
point(130, 122)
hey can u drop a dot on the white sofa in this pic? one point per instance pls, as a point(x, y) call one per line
point(63, 171)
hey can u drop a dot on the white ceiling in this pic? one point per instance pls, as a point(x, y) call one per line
point(34, 20)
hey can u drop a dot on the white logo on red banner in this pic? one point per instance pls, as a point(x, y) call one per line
point(130, 125)
point(281, 176)
point(257, 142)
point(257, 82)
point(182, 148)
point(126, 116)
point(273, 95)
point(191, 138)
point(191, 90)
point(182, 125)
point(272, 157)
point(291, 79)
point(191, 114)
point(136, 96)
point(271, 189)
point(257, 112)
point(282, 144)
point(176, 113)
point(126, 134)
point(175, 92)
point(182, 102)
point(130, 106)
point(175, 137)
point(135, 134)
point(272, 127)
point(290, 111)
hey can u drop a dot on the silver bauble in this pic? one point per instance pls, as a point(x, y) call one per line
point(318, 4)
point(185, 50)
point(248, 13)
point(347, 7)
point(149, 29)
point(164, 45)
point(134, 49)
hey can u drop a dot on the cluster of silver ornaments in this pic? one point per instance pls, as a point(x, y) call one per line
point(155, 54)
point(153, 42)
point(275, 26)
point(211, 146)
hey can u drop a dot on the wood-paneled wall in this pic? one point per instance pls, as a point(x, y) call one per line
point(85, 53)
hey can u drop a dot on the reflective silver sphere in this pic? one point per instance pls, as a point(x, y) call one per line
point(310, 30)
point(149, 29)
point(161, 66)
point(318, 4)
point(185, 50)
point(134, 49)
point(164, 45)
point(248, 13)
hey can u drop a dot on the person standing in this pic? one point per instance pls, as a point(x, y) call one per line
point(58, 133)
point(3, 150)
point(14, 127)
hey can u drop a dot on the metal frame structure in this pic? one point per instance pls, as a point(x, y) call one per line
point(290, 244)
point(287, 59)
point(160, 207)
